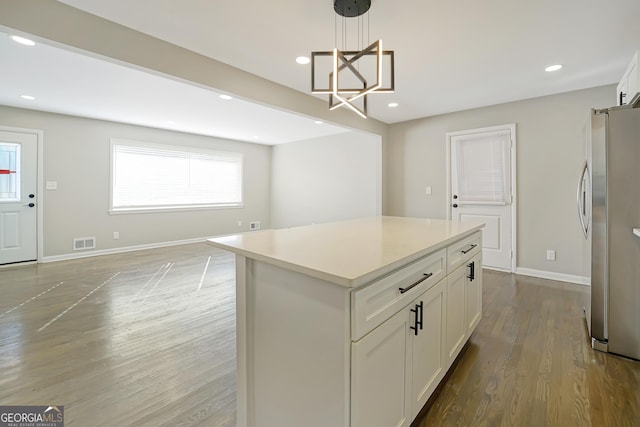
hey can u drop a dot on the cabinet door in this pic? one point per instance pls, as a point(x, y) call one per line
point(473, 292)
point(429, 356)
point(455, 327)
point(380, 363)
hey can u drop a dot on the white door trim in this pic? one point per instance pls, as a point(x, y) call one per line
point(512, 129)
point(39, 185)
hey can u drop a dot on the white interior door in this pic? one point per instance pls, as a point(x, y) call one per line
point(482, 172)
point(18, 183)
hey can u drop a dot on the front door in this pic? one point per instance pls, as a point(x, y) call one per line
point(18, 183)
point(482, 171)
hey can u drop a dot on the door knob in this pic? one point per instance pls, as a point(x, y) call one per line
point(30, 205)
point(455, 205)
point(31, 196)
point(455, 196)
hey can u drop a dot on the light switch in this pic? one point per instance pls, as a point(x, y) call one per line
point(52, 185)
point(427, 191)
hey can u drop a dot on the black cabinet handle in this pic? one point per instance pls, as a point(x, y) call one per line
point(468, 250)
point(472, 271)
point(622, 97)
point(415, 320)
point(416, 283)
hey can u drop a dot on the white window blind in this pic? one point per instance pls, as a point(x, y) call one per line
point(482, 166)
point(151, 177)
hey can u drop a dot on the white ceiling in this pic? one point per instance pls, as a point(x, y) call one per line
point(449, 56)
point(71, 83)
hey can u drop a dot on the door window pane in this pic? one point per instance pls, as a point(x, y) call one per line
point(482, 164)
point(9, 172)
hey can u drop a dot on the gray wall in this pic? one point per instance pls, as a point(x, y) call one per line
point(550, 140)
point(326, 179)
point(76, 155)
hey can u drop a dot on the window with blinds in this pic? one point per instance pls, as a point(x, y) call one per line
point(482, 168)
point(147, 177)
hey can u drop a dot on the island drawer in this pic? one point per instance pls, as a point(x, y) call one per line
point(462, 251)
point(383, 298)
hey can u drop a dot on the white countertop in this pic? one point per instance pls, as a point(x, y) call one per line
point(348, 253)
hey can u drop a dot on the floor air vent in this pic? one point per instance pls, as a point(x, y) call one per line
point(83, 243)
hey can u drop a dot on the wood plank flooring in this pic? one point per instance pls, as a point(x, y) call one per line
point(148, 338)
point(530, 363)
point(139, 339)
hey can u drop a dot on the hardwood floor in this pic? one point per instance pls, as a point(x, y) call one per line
point(139, 339)
point(530, 363)
point(148, 338)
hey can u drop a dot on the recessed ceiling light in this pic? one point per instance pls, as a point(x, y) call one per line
point(23, 41)
point(255, 137)
point(318, 122)
point(171, 122)
point(551, 68)
point(393, 104)
point(29, 97)
point(226, 97)
point(303, 60)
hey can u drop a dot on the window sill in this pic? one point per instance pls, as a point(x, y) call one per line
point(142, 210)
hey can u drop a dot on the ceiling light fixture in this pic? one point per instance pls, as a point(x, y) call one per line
point(28, 97)
point(226, 97)
point(353, 74)
point(393, 104)
point(22, 40)
point(303, 60)
point(551, 68)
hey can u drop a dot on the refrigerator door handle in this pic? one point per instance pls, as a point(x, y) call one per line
point(581, 200)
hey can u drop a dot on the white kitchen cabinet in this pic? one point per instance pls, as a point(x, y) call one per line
point(357, 326)
point(429, 362)
point(379, 387)
point(456, 330)
point(397, 366)
point(628, 90)
point(473, 293)
point(464, 283)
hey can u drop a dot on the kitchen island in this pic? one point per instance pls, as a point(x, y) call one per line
point(351, 323)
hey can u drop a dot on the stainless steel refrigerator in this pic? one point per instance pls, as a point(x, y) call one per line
point(609, 209)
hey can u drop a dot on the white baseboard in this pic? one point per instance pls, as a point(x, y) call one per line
point(561, 277)
point(87, 254)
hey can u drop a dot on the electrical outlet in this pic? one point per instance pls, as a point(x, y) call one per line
point(116, 235)
point(551, 255)
point(254, 225)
